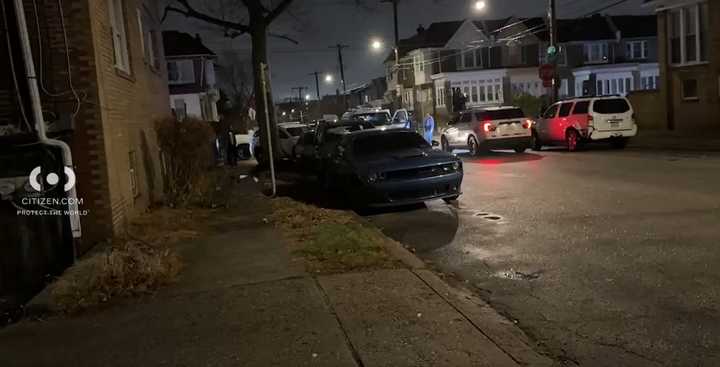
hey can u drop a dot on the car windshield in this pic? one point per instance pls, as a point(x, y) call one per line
point(503, 114)
point(295, 131)
point(609, 106)
point(375, 118)
point(388, 142)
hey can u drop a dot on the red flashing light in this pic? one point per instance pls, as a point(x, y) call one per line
point(488, 127)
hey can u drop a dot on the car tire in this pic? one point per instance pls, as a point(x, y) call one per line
point(535, 142)
point(619, 143)
point(451, 199)
point(520, 149)
point(444, 145)
point(473, 146)
point(572, 140)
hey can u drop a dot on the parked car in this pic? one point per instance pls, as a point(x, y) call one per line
point(576, 121)
point(376, 168)
point(289, 134)
point(314, 145)
point(489, 128)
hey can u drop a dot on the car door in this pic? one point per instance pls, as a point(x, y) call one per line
point(401, 117)
point(562, 122)
point(546, 120)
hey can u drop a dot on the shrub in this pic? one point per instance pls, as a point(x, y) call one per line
point(532, 106)
point(187, 155)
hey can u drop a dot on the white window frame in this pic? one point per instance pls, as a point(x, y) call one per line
point(631, 48)
point(182, 78)
point(698, 39)
point(603, 51)
point(116, 12)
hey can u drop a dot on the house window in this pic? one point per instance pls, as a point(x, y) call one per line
point(181, 72)
point(132, 164)
point(474, 93)
point(636, 50)
point(148, 41)
point(468, 59)
point(690, 90)
point(180, 109)
point(121, 58)
point(688, 34)
point(596, 52)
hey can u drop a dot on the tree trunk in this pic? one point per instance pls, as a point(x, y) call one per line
point(258, 34)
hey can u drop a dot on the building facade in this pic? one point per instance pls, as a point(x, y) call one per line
point(102, 80)
point(490, 62)
point(191, 77)
point(689, 59)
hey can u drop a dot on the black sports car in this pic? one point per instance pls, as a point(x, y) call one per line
point(393, 167)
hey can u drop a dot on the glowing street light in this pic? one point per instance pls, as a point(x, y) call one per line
point(376, 45)
point(479, 5)
point(292, 110)
point(283, 113)
point(307, 97)
point(328, 78)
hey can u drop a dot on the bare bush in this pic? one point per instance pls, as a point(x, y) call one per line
point(187, 154)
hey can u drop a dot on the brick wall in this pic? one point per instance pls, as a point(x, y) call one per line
point(691, 116)
point(116, 113)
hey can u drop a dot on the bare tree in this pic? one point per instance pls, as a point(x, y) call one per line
point(260, 16)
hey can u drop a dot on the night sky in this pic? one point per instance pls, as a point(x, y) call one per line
point(317, 24)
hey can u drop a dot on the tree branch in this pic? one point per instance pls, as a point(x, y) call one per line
point(190, 12)
point(270, 34)
point(284, 4)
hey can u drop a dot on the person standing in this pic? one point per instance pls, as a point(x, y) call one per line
point(429, 127)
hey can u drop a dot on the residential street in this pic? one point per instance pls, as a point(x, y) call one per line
point(605, 256)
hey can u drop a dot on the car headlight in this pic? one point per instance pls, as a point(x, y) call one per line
point(372, 178)
point(457, 166)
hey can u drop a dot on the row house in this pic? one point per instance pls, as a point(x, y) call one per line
point(191, 77)
point(489, 62)
point(689, 58)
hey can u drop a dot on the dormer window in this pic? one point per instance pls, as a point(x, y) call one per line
point(595, 53)
point(181, 72)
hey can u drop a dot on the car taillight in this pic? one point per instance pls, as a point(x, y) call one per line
point(488, 127)
point(591, 120)
point(527, 123)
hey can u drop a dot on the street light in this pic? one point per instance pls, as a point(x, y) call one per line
point(307, 97)
point(328, 78)
point(376, 45)
point(479, 5)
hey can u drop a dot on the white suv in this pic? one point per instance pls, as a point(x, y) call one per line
point(489, 128)
point(575, 121)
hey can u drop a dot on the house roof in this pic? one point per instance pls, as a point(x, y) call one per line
point(490, 25)
point(636, 25)
point(594, 28)
point(435, 35)
point(182, 44)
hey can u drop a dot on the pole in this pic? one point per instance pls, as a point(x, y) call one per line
point(342, 67)
point(317, 83)
point(38, 116)
point(552, 23)
point(395, 18)
point(271, 156)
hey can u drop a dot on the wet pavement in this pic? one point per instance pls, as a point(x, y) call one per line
point(609, 258)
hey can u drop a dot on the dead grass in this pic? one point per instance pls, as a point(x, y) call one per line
point(138, 264)
point(331, 241)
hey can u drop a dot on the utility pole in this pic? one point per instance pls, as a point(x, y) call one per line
point(300, 92)
point(340, 61)
point(317, 83)
point(553, 50)
point(395, 18)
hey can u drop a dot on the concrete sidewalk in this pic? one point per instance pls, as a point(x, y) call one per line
point(668, 140)
point(244, 301)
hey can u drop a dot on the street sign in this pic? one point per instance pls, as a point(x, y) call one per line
point(546, 72)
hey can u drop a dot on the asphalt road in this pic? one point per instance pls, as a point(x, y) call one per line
point(609, 258)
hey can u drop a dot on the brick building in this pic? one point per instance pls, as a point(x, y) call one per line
point(103, 83)
point(689, 58)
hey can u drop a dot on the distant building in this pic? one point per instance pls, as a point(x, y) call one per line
point(489, 62)
point(367, 94)
point(689, 58)
point(191, 76)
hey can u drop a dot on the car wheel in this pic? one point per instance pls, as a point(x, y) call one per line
point(445, 146)
point(520, 149)
point(473, 146)
point(572, 140)
point(619, 143)
point(535, 142)
point(451, 199)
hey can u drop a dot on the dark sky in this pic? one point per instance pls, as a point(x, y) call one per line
point(316, 24)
